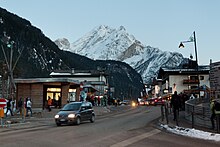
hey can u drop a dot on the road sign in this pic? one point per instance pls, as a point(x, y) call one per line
point(3, 102)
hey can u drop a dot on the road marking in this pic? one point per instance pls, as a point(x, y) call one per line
point(136, 138)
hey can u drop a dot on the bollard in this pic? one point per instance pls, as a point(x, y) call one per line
point(162, 113)
point(1, 122)
point(177, 117)
point(2, 115)
point(218, 122)
point(166, 114)
point(192, 117)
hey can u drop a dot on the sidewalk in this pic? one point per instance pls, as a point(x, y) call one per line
point(183, 123)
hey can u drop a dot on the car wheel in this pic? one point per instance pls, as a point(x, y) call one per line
point(92, 120)
point(78, 121)
point(58, 124)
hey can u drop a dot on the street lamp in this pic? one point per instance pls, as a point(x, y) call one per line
point(193, 39)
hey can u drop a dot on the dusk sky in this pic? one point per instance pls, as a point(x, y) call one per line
point(159, 23)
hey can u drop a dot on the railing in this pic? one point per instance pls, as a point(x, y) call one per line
point(198, 112)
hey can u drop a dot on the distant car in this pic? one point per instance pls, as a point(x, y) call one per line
point(75, 113)
point(125, 102)
point(150, 101)
point(160, 101)
point(141, 103)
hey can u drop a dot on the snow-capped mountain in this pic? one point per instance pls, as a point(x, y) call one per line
point(105, 43)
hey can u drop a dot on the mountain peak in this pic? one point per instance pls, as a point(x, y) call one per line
point(105, 43)
point(62, 43)
point(122, 28)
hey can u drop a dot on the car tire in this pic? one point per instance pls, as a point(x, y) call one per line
point(58, 124)
point(78, 121)
point(92, 119)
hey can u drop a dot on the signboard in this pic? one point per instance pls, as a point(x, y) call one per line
point(3, 102)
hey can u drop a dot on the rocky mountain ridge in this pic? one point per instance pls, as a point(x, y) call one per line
point(105, 43)
point(35, 55)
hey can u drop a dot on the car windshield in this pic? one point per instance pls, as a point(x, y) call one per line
point(71, 107)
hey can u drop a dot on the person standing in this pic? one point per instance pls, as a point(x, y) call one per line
point(212, 103)
point(215, 112)
point(29, 104)
point(99, 101)
point(9, 107)
point(175, 104)
point(20, 105)
point(49, 103)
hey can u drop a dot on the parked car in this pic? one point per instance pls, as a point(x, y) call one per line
point(75, 113)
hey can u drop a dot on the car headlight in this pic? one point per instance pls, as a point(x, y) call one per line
point(71, 115)
point(56, 116)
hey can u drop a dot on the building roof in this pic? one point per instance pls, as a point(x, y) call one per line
point(90, 86)
point(46, 80)
point(78, 73)
point(201, 69)
point(183, 71)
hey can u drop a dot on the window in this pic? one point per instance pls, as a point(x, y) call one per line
point(201, 77)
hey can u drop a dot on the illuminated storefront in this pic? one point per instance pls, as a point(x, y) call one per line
point(61, 90)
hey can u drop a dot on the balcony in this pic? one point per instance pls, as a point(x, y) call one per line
point(189, 81)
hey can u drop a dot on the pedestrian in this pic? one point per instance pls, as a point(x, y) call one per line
point(215, 110)
point(99, 101)
point(59, 101)
point(29, 107)
point(49, 103)
point(93, 100)
point(20, 105)
point(9, 107)
point(175, 104)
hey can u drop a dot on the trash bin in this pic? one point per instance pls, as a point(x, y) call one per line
point(1, 112)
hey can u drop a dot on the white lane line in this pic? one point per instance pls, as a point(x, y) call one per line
point(136, 138)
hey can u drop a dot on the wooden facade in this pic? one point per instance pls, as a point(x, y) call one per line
point(37, 90)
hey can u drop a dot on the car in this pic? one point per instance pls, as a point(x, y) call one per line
point(160, 101)
point(125, 102)
point(150, 101)
point(141, 103)
point(75, 113)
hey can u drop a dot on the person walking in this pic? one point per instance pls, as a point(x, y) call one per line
point(9, 107)
point(175, 104)
point(29, 105)
point(49, 103)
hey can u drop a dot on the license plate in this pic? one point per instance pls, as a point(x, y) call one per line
point(62, 120)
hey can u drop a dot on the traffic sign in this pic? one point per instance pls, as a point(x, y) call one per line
point(3, 102)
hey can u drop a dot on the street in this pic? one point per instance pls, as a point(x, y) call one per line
point(131, 128)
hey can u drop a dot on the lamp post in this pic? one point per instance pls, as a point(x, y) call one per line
point(193, 39)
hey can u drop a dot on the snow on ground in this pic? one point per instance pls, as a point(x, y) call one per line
point(192, 133)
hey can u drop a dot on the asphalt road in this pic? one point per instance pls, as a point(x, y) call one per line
point(131, 128)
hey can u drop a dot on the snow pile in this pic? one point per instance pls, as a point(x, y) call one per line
point(192, 133)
